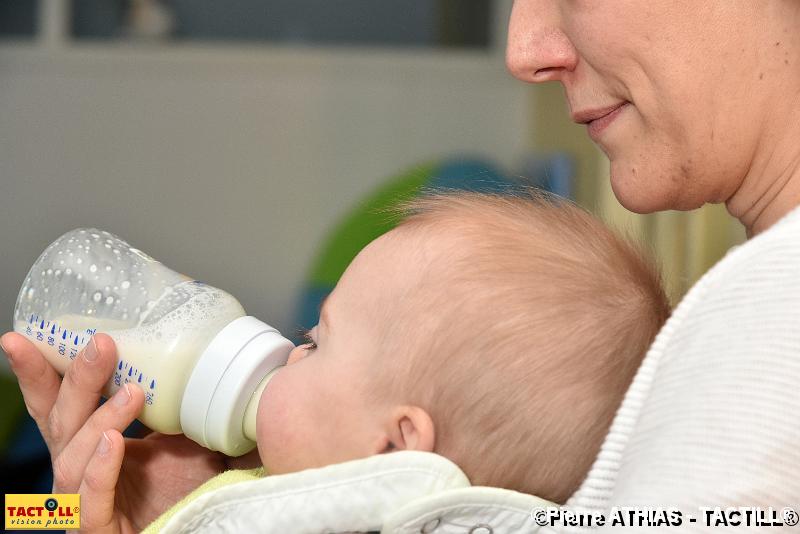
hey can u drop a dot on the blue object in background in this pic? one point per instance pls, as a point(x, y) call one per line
point(468, 174)
point(554, 172)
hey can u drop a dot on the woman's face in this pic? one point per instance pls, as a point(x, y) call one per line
point(679, 88)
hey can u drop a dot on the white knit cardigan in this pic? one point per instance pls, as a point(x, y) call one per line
point(712, 418)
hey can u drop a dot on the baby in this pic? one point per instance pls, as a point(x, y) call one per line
point(500, 332)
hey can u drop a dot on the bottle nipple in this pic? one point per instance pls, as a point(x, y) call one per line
point(251, 412)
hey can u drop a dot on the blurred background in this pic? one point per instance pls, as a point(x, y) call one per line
point(247, 143)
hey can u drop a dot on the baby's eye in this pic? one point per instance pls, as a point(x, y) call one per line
point(310, 344)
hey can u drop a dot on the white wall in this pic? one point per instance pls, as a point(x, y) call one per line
point(228, 164)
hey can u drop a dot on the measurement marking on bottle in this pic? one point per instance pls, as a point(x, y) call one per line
point(34, 319)
point(79, 339)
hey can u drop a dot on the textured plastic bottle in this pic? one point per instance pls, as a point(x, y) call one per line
point(201, 362)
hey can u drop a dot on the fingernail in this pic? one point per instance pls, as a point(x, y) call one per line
point(122, 396)
point(104, 446)
point(90, 352)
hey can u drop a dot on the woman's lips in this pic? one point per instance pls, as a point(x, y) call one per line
point(595, 127)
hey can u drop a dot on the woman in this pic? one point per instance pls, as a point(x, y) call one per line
point(693, 102)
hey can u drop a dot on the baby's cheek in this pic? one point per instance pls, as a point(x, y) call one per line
point(266, 424)
point(274, 426)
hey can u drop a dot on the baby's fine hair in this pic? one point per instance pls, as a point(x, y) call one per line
point(524, 338)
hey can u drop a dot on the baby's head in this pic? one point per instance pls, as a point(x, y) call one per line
point(498, 331)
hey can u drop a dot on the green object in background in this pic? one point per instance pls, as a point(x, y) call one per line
point(368, 221)
point(11, 409)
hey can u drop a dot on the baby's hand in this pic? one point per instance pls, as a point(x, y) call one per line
point(87, 448)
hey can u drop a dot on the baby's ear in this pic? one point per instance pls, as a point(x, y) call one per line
point(411, 429)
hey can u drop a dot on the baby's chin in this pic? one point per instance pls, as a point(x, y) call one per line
point(270, 467)
point(278, 462)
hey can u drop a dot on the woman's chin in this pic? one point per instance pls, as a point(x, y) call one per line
point(634, 194)
point(645, 192)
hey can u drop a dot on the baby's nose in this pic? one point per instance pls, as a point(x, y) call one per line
point(297, 354)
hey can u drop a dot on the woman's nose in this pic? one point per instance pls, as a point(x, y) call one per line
point(538, 50)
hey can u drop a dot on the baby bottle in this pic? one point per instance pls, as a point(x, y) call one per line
point(201, 362)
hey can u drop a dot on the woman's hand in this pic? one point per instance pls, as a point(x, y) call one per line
point(124, 483)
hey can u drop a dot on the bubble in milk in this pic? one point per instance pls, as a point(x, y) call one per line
point(79, 261)
point(108, 268)
point(110, 300)
point(97, 296)
point(93, 268)
point(125, 284)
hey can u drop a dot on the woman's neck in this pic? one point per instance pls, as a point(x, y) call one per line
point(767, 193)
point(771, 187)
